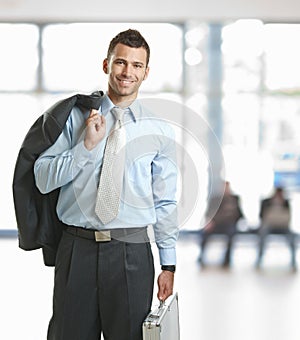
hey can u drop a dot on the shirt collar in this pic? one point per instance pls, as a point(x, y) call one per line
point(134, 108)
point(106, 105)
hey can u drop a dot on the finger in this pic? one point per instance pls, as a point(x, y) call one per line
point(93, 112)
point(160, 296)
point(99, 122)
point(90, 120)
point(161, 292)
point(164, 296)
point(102, 120)
point(93, 117)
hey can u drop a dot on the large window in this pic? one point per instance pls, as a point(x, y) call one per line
point(261, 107)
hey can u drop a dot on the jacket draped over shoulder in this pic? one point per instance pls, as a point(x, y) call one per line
point(37, 221)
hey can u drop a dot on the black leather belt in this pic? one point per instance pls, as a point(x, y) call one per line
point(123, 234)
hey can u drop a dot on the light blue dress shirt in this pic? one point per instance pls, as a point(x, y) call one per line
point(150, 177)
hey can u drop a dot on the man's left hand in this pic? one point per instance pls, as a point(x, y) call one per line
point(165, 283)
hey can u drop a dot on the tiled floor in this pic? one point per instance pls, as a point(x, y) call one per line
point(240, 303)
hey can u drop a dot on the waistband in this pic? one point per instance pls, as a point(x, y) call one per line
point(134, 235)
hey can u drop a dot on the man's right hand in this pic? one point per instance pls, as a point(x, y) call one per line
point(95, 129)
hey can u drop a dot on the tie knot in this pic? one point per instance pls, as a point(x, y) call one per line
point(118, 113)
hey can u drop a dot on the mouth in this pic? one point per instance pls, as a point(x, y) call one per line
point(125, 82)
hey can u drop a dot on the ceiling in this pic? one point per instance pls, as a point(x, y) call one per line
point(154, 10)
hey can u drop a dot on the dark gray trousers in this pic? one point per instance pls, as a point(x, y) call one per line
point(101, 287)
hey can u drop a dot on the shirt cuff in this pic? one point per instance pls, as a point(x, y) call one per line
point(167, 256)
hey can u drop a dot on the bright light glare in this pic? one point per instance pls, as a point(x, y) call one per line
point(282, 55)
point(194, 36)
point(193, 56)
point(243, 39)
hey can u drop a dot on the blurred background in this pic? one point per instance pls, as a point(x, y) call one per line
point(234, 67)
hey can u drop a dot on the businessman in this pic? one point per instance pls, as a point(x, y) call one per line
point(104, 270)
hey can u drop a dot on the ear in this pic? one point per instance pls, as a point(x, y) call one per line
point(105, 66)
point(146, 73)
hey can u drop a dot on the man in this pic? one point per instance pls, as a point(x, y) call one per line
point(275, 216)
point(104, 271)
point(223, 213)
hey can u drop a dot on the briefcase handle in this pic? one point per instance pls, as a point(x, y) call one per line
point(158, 311)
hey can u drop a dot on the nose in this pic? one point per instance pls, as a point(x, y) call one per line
point(127, 69)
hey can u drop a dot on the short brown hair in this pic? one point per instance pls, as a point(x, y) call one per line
point(131, 38)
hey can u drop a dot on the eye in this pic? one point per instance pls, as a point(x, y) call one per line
point(120, 62)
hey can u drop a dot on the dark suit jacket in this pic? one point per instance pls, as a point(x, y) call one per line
point(267, 203)
point(224, 212)
point(280, 218)
point(37, 221)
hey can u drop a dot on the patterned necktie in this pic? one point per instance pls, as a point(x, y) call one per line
point(111, 178)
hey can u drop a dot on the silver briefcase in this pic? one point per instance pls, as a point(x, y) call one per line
point(163, 322)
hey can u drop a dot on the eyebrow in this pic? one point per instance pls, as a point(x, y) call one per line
point(139, 63)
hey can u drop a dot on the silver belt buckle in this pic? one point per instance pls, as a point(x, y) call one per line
point(102, 236)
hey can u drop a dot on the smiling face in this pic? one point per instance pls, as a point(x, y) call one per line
point(126, 69)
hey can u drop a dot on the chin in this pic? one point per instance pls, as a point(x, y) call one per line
point(126, 92)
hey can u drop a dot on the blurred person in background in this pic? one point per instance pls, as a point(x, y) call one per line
point(275, 216)
point(222, 214)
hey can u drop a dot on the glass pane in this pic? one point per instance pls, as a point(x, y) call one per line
point(18, 57)
point(29, 108)
point(282, 55)
point(73, 55)
point(242, 49)
point(9, 148)
point(196, 58)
